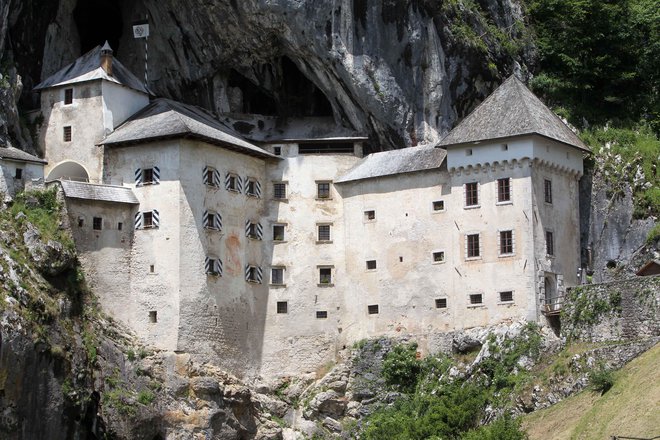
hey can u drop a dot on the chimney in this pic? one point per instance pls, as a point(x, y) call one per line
point(106, 58)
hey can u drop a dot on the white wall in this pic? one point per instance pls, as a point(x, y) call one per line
point(10, 185)
point(120, 103)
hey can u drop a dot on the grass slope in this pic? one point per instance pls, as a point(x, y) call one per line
point(630, 408)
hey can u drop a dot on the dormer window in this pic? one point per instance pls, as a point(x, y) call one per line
point(68, 96)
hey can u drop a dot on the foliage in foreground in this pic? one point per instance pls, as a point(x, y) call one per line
point(435, 405)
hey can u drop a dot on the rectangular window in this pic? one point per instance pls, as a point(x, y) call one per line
point(279, 190)
point(277, 276)
point(476, 298)
point(473, 250)
point(81, 222)
point(120, 226)
point(97, 223)
point(503, 190)
point(441, 303)
point(148, 219)
point(472, 194)
point(506, 242)
point(324, 233)
point(547, 190)
point(18, 175)
point(439, 205)
point(468, 152)
point(231, 182)
point(252, 188)
point(323, 190)
point(372, 309)
point(213, 266)
point(506, 296)
point(321, 314)
point(325, 275)
point(277, 151)
point(153, 317)
point(148, 176)
point(67, 133)
point(439, 257)
point(68, 96)
point(211, 177)
point(253, 274)
point(369, 215)
point(371, 264)
point(278, 232)
point(549, 243)
point(282, 307)
point(254, 230)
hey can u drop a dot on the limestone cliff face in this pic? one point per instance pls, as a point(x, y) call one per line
point(402, 72)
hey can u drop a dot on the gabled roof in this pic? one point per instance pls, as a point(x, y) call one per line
point(164, 118)
point(15, 154)
point(511, 110)
point(102, 193)
point(88, 68)
point(387, 163)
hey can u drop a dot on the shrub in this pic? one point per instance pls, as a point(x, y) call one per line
point(401, 368)
point(146, 397)
point(602, 379)
point(504, 428)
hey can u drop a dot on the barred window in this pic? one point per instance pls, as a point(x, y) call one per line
point(324, 233)
point(277, 275)
point(547, 191)
point(506, 242)
point(323, 190)
point(282, 307)
point(67, 133)
point(441, 303)
point(279, 190)
point(476, 298)
point(549, 243)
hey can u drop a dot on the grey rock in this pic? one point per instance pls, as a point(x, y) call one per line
point(205, 386)
point(332, 424)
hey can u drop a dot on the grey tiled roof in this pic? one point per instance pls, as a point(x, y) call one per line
point(164, 118)
point(511, 110)
point(386, 163)
point(87, 68)
point(20, 155)
point(103, 193)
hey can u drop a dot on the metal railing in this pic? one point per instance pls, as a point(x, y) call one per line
point(552, 306)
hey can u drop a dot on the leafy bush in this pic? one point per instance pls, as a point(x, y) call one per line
point(401, 368)
point(602, 379)
point(504, 428)
point(145, 397)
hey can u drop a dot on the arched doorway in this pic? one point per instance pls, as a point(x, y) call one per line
point(69, 170)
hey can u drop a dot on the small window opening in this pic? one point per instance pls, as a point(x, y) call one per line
point(152, 268)
point(279, 190)
point(371, 264)
point(321, 314)
point(370, 215)
point(67, 133)
point(147, 176)
point(323, 190)
point(277, 151)
point(153, 316)
point(81, 222)
point(68, 96)
point(439, 257)
point(473, 246)
point(277, 276)
point(441, 303)
point(471, 194)
point(400, 259)
point(97, 223)
point(148, 219)
point(506, 296)
point(19, 174)
point(476, 298)
point(547, 190)
point(282, 307)
point(611, 264)
point(504, 190)
point(325, 275)
point(468, 152)
point(232, 184)
point(505, 147)
point(549, 243)
point(372, 309)
point(324, 232)
point(120, 226)
point(506, 242)
point(278, 232)
point(439, 205)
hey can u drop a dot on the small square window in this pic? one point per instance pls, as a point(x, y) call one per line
point(66, 133)
point(547, 190)
point(323, 190)
point(506, 242)
point(324, 233)
point(503, 190)
point(152, 268)
point(279, 190)
point(468, 152)
point(277, 151)
point(471, 194)
point(506, 296)
point(325, 275)
point(321, 314)
point(473, 250)
point(18, 175)
point(369, 215)
point(81, 222)
point(282, 307)
point(68, 96)
point(476, 298)
point(439, 205)
point(120, 226)
point(441, 303)
point(505, 147)
point(371, 264)
point(153, 316)
point(439, 257)
point(549, 243)
point(372, 309)
point(97, 223)
point(277, 276)
point(148, 219)
point(278, 232)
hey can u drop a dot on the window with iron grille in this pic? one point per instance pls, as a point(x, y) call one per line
point(68, 96)
point(473, 250)
point(471, 194)
point(321, 314)
point(441, 303)
point(504, 190)
point(439, 205)
point(549, 243)
point(97, 223)
point(67, 133)
point(506, 242)
point(506, 296)
point(277, 275)
point(279, 190)
point(439, 257)
point(476, 298)
point(371, 264)
point(323, 190)
point(547, 190)
point(282, 307)
point(278, 232)
point(372, 309)
point(324, 233)
point(325, 275)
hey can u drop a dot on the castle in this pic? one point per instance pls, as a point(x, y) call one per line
point(270, 251)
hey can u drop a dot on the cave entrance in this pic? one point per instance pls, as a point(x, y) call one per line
point(98, 21)
point(301, 96)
